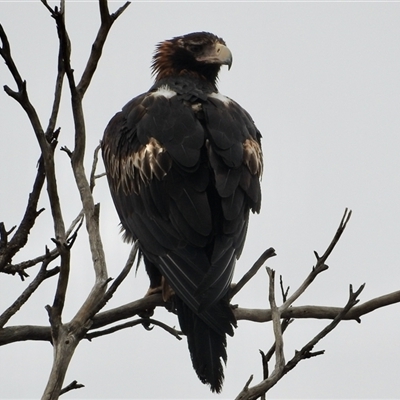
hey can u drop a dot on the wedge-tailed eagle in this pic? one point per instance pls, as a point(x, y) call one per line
point(183, 164)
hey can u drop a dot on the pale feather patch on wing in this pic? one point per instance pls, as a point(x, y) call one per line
point(252, 156)
point(151, 160)
point(164, 91)
point(196, 107)
point(220, 97)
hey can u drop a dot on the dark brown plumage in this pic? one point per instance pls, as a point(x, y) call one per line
point(183, 164)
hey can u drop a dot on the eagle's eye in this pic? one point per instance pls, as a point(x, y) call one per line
point(194, 48)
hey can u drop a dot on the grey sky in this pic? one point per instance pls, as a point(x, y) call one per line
point(321, 80)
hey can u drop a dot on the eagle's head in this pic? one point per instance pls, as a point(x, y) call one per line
point(200, 54)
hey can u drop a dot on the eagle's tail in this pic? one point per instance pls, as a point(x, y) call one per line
point(207, 345)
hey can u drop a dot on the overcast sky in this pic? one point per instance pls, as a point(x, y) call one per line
point(321, 80)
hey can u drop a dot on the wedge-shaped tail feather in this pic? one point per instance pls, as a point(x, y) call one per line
point(207, 347)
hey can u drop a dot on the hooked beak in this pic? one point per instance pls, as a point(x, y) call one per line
point(224, 55)
point(218, 54)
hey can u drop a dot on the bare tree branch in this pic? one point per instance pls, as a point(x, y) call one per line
point(14, 334)
point(342, 226)
point(21, 267)
point(5, 53)
point(123, 274)
point(320, 266)
point(72, 386)
point(306, 351)
point(246, 387)
point(320, 312)
point(252, 393)
point(276, 321)
point(146, 322)
point(107, 20)
point(47, 147)
point(4, 234)
point(285, 293)
point(266, 357)
point(57, 96)
point(67, 337)
point(42, 275)
point(21, 333)
point(9, 248)
point(49, 255)
point(252, 271)
point(93, 175)
point(128, 310)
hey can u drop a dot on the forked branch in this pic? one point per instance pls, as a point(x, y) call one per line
point(306, 351)
point(72, 386)
point(277, 314)
point(320, 265)
point(42, 275)
point(252, 393)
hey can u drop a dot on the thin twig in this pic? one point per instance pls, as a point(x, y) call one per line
point(245, 390)
point(107, 20)
point(4, 234)
point(342, 226)
point(47, 148)
point(117, 282)
point(22, 266)
point(93, 176)
point(53, 254)
point(76, 222)
point(284, 292)
point(72, 386)
point(252, 271)
point(57, 93)
point(10, 247)
point(42, 275)
point(146, 322)
point(5, 53)
point(320, 265)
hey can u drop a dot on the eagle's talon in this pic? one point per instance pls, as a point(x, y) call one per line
point(153, 290)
